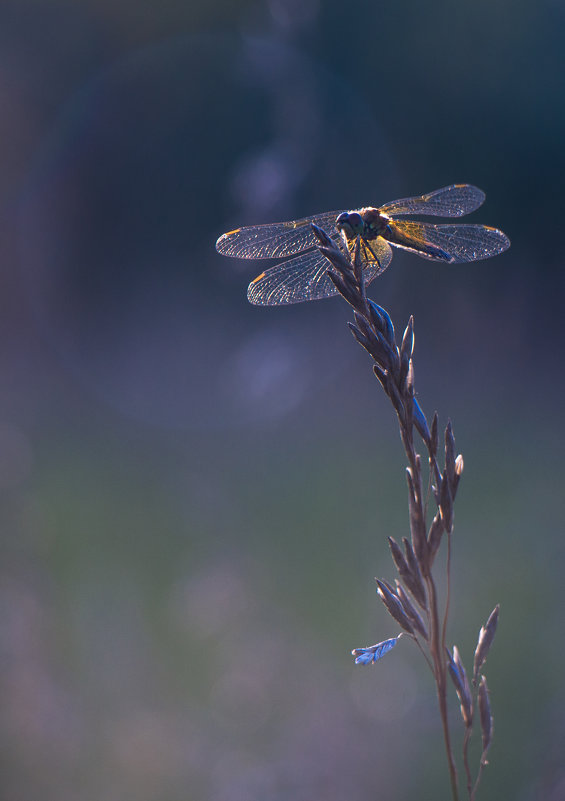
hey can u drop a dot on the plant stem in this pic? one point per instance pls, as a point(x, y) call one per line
point(441, 683)
point(437, 631)
point(374, 331)
point(466, 739)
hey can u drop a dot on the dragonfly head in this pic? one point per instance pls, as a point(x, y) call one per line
point(350, 223)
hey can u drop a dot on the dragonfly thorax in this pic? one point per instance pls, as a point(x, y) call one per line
point(367, 223)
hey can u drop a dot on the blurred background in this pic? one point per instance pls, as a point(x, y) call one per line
point(196, 493)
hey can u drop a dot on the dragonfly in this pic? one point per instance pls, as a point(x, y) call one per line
point(304, 276)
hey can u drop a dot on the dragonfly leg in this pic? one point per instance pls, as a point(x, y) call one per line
point(375, 257)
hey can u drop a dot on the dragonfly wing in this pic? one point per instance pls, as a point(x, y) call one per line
point(451, 243)
point(305, 277)
point(275, 240)
point(299, 279)
point(450, 201)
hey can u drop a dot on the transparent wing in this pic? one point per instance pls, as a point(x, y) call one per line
point(275, 240)
point(305, 277)
point(299, 279)
point(452, 243)
point(451, 201)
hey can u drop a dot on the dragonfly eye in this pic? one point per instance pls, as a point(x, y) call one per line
point(351, 223)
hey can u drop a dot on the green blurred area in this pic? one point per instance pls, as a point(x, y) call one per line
point(196, 493)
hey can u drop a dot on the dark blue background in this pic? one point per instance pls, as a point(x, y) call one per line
point(196, 493)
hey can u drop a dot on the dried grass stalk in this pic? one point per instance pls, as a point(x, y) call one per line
point(394, 368)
